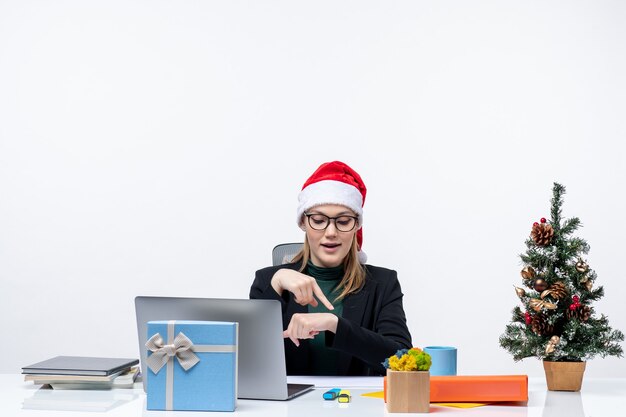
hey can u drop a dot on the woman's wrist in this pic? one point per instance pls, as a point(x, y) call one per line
point(275, 282)
point(333, 322)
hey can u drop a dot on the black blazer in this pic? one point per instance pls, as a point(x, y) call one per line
point(373, 326)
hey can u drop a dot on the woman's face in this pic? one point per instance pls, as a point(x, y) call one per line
point(330, 246)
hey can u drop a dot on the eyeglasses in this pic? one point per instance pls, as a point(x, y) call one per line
point(319, 221)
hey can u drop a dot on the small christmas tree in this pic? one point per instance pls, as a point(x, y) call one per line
point(558, 322)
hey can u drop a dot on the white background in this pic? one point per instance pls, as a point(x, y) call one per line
point(158, 147)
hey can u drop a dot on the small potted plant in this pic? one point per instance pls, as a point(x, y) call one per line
point(408, 381)
point(558, 323)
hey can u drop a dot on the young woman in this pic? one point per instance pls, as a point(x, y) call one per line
point(341, 317)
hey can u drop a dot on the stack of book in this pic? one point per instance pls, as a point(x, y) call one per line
point(80, 372)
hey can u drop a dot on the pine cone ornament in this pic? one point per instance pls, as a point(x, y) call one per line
point(556, 291)
point(542, 234)
point(581, 313)
point(540, 326)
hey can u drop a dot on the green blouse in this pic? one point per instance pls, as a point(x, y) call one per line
point(324, 360)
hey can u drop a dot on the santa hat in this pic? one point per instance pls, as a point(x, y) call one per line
point(334, 183)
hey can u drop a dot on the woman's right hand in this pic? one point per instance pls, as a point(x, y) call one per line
point(303, 287)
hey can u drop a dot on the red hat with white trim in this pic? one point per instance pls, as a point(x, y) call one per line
point(334, 183)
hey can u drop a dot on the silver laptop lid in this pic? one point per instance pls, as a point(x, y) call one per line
point(262, 372)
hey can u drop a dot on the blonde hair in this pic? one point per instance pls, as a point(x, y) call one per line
point(354, 273)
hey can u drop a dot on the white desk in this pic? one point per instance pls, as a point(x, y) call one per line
point(598, 398)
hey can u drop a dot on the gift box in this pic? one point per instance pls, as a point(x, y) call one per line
point(192, 365)
point(474, 388)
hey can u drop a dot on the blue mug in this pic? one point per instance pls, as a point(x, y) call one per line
point(443, 359)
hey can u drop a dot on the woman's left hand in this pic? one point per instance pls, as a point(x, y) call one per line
point(308, 325)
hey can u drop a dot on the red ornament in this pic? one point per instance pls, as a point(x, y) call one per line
point(527, 317)
point(543, 220)
point(535, 224)
point(575, 303)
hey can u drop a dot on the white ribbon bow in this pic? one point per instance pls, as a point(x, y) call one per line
point(182, 349)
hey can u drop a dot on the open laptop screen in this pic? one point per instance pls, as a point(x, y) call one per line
point(262, 372)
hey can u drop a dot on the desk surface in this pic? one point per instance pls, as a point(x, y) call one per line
point(599, 397)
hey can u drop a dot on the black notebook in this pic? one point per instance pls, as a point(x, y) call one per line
point(79, 365)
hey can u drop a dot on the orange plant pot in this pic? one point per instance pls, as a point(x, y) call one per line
point(408, 391)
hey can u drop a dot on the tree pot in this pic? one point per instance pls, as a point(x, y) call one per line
point(408, 391)
point(564, 376)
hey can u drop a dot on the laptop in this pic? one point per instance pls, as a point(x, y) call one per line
point(262, 371)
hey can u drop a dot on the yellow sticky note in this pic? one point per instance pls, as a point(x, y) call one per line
point(461, 405)
point(381, 394)
point(375, 394)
